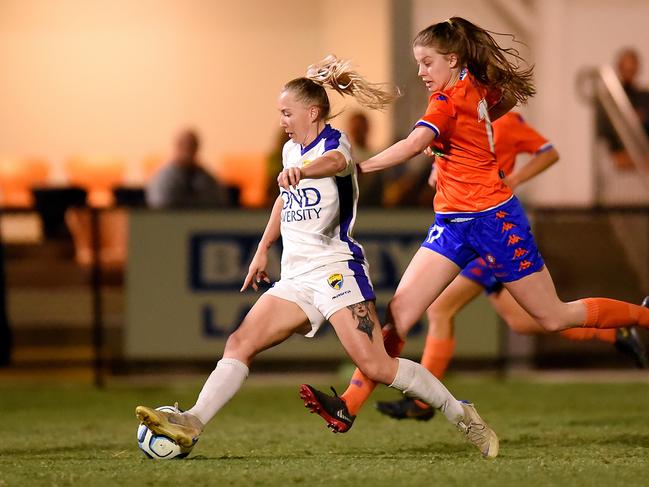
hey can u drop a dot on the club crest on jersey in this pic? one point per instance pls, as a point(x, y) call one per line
point(336, 281)
point(491, 259)
point(306, 163)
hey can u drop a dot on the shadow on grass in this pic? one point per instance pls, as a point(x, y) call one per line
point(438, 450)
point(528, 446)
point(81, 451)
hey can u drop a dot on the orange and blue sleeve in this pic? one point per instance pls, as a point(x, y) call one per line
point(440, 115)
point(527, 139)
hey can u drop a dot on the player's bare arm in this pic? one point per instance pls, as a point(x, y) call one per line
point(327, 165)
point(416, 142)
point(257, 268)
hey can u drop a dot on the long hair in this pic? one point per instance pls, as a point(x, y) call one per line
point(338, 75)
point(490, 64)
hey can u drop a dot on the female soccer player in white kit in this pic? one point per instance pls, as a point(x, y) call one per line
point(324, 273)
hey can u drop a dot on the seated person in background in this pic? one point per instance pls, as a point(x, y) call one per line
point(183, 183)
point(628, 66)
point(370, 185)
point(407, 185)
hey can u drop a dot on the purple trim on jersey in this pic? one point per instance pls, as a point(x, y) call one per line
point(346, 198)
point(544, 148)
point(332, 139)
point(424, 123)
point(331, 136)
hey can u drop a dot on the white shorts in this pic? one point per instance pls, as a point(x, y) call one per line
point(325, 290)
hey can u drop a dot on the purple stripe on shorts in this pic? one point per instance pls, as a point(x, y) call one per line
point(346, 199)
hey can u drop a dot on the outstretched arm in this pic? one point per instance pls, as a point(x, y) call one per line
point(257, 268)
point(416, 142)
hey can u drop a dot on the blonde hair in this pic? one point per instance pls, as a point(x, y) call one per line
point(339, 75)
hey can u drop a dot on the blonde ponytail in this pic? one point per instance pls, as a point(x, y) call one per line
point(339, 75)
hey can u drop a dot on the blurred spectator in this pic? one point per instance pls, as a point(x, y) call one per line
point(274, 166)
point(370, 185)
point(628, 66)
point(183, 183)
point(408, 185)
point(358, 130)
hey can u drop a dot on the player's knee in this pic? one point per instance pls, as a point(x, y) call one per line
point(516, 325)
point(238, 347)
point(439, 320)
point(402, 329)
point(551, 323)
point(399, 318)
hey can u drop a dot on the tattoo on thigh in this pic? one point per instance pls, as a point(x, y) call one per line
point(361, 313)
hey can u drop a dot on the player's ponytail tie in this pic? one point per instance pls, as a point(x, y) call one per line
point(328, 71)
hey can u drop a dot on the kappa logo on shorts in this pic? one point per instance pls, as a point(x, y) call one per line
point(336, 281)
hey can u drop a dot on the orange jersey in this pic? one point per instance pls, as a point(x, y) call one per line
point(467, 172)
point(513, 136)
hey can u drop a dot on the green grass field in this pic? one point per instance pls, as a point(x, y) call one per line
point(551, 434)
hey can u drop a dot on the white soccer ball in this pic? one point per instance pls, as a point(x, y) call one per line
point(159, 447)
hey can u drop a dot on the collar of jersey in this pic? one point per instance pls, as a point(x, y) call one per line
point(460, 86)
point(322, 135)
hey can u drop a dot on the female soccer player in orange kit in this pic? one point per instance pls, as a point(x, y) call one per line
point(472, 81)
point(512, 136)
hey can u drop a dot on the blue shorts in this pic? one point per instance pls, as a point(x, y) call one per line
point(501, 236)
point(478, 271)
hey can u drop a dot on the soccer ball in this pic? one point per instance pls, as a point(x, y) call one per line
point(159, 447)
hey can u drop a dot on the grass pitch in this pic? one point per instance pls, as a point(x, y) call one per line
point(551, 434)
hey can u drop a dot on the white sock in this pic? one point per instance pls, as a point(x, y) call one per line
point(414, 380)
point(223, 383)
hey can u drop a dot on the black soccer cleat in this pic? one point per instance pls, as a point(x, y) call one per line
point(629, 343)
point(406, 408)
point(332, 409)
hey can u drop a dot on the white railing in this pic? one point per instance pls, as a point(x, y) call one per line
point(601, 86)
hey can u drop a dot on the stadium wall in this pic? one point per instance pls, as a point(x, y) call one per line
point(121, 78)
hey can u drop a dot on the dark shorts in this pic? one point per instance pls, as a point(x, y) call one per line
point(502, 237)
point(478, 271)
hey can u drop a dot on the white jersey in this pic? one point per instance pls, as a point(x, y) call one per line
point(318, 216)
